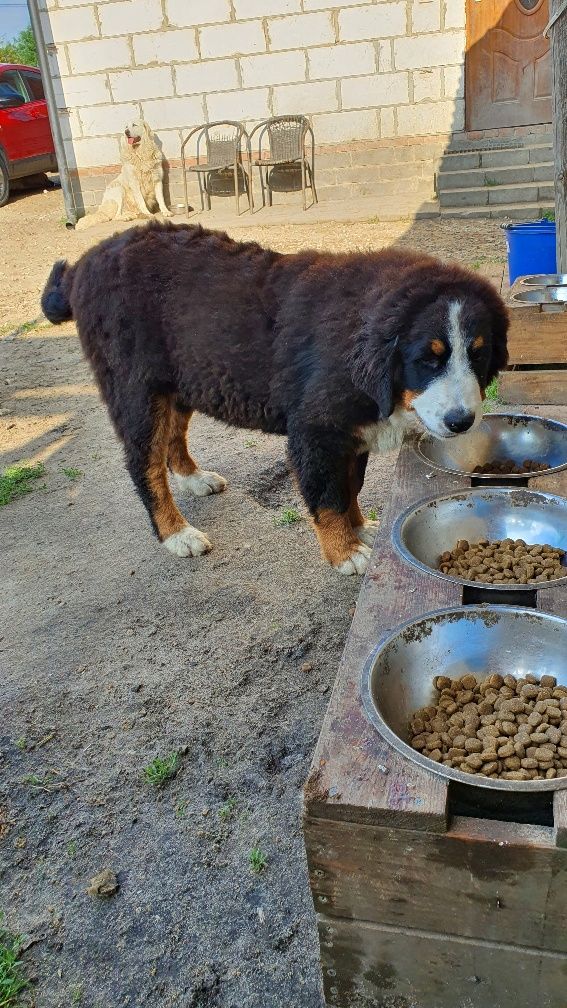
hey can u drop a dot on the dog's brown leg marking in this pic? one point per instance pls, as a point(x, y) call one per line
point(168, 519)
point(336, 537)
point(179, 459)
point(355, 515)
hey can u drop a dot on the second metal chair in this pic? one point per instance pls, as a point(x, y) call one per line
point(223, 141)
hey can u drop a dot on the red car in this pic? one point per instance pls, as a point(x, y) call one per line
point(26, 144)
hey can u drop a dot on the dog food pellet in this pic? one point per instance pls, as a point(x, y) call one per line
point(507, 467)
point(501, 727)
point(504, 561)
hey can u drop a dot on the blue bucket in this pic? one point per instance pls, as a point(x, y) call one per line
point(531, 248)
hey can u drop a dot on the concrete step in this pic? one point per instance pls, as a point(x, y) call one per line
point(488, 195)
point(480, 177)
point(506, 211)
point(461, 144)
point(508, 158)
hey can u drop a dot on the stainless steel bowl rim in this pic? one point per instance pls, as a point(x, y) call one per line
point(413, 561)
point(556, 424)
point(378, 722)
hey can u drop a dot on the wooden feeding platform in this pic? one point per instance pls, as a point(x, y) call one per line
point(537, 344)
point(429, 893)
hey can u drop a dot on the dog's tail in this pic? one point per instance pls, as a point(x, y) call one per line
point(55, 298)
point(106, 212)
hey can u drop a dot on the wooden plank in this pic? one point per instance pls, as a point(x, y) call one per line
point(537, 337)
point(355, 774)
point(366, 966)
point(534, 387)
point(558, 37)
point(482, 879)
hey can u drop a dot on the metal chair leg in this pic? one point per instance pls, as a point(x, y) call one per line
point(303, 184)
point(200, 181)
point(269, 188)
point(262, 185)
point(312, 181)
point(236, 189)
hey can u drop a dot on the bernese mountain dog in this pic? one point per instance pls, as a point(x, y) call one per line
point(340, 353)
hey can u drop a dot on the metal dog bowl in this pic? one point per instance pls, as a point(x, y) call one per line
point(546, 280)
point(398, 676)
point(542, 295)
point(423, 532)
point(499, 436)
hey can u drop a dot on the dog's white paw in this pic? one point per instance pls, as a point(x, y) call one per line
point(188, 542)
point(201, 483)
point(367, 532)
point(166, 213)
point(357, 561)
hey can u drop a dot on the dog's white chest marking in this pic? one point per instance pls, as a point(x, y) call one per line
point(387, 435)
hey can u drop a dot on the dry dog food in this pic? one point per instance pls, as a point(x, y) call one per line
point(506, 467)
point(505, 561)
point(502, 727)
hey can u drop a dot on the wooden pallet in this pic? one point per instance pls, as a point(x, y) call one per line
point(426, 896)
point(537, 344)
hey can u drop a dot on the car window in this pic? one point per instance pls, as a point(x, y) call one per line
point(34, 85)
point(13, 79)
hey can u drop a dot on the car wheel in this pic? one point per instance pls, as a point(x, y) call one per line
point(4, 182)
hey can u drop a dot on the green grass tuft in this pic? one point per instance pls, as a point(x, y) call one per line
point(373, 514)
point(258, 860)
point(289, 516)
point(160, 770)
point(228, 809)
point(72, 473)
point(15, 481)
point(13, 981)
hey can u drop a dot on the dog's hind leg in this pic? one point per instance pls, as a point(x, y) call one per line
point(146, 443)
point(364, 528)
point(182, 464)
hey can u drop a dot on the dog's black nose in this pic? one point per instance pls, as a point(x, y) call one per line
point(127, 132)
point(458, 421)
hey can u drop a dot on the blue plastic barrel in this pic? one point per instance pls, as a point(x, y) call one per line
point(531, 248)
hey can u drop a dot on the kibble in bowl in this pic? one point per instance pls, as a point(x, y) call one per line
point(469, 682)
point(491, 536)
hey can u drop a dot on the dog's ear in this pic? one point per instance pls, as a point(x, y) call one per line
point(500, 325)
point(373, 363)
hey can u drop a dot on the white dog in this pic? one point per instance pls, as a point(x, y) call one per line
point(139, 188)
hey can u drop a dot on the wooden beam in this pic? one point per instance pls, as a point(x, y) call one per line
point(558, 37)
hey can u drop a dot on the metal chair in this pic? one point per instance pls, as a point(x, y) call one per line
point(223, 150)
point(286, 138)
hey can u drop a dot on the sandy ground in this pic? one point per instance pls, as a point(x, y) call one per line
point(113, 653)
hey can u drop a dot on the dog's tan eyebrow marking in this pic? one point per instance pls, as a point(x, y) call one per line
point(478, 342)
point(438, 347)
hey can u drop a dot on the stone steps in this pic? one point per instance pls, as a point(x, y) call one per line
point(508, 181)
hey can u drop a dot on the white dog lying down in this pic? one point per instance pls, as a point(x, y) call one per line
point(139, 188)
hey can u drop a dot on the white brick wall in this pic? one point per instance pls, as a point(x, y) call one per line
point(122, 17)
point(178, 46)
point(363, 70)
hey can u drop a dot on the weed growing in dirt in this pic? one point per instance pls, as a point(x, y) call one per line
point(161, 770)
point(12, 979)
point(16, 480)
point(228, 809)
point(492, 396)
point(548, 215)
point(288, 517)
point(181, 809)
point(250, 443)
point(258, 860)
point(72, 473)
point(21, 743)
point(76, 993)
point(373, 514)
point(71, 848)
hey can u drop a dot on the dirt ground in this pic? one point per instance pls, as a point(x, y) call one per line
point(114, 652)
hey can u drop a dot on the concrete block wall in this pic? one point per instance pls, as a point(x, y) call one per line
point(378, 76)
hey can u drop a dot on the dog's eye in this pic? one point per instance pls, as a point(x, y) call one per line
point(477, 349)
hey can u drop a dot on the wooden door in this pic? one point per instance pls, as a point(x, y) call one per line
point(507, 64)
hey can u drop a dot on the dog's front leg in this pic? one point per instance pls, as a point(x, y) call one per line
point(136, 191)
point(323, 461)
point(160, 200)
